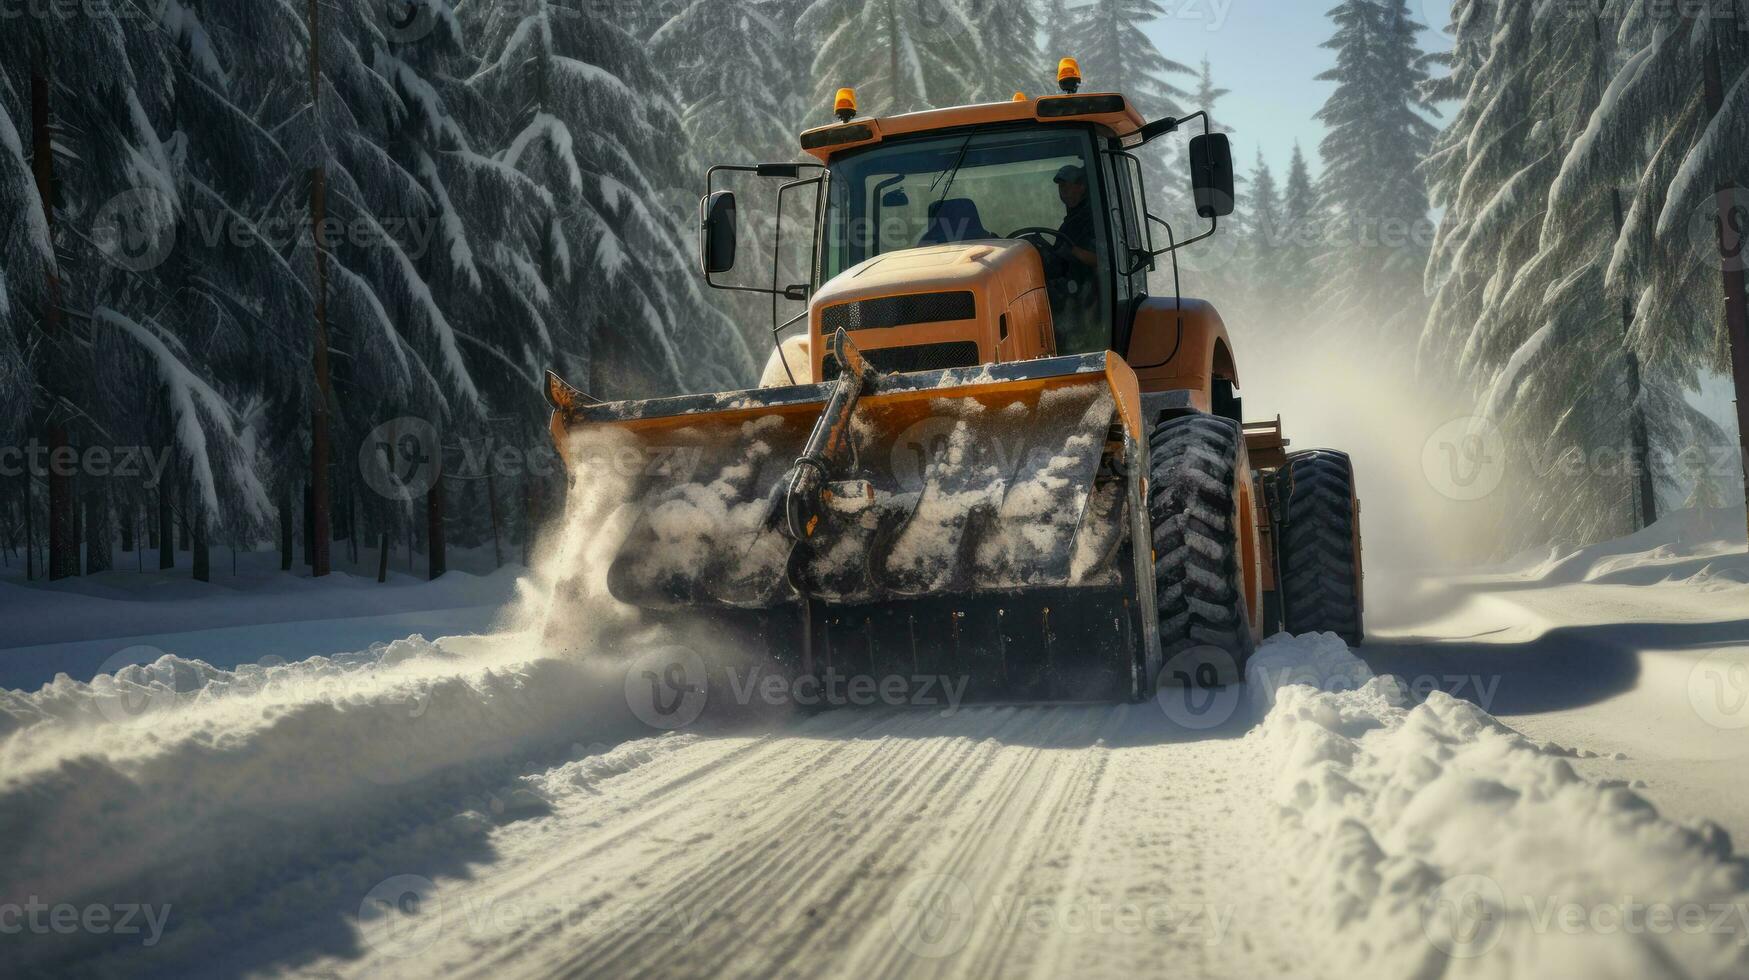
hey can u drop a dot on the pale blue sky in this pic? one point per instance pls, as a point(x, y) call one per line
point(1268, 53)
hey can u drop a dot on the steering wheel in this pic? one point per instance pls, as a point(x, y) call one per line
point(1061, 238)
point(1057, 270)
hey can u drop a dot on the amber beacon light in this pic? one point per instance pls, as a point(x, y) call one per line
point(1069, 75)
point(845, 104)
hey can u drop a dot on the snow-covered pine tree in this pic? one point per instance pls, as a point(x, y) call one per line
point(1671, 124)
point(728, 61)
point(1300, 231)
point(1058, 30)
point(1377, 136)
point(585, 114)
point(29, 257)
point(1008, 41)
point(1258, 296)
point(1208, 94)
point(899, 55)
point(1521, 311)
point(1117, 56)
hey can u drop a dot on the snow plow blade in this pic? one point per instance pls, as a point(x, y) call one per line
point(972, 522)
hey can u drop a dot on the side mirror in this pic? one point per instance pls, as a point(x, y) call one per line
point(1211, 174)
point(716, 232)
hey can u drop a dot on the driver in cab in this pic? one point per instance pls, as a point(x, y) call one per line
point(1076, 231)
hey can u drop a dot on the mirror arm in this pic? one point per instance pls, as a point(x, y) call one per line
point(1214, 225)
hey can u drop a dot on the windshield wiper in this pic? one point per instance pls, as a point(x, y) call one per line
point(951, 174)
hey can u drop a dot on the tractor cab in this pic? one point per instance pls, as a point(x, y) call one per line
point(983, 234)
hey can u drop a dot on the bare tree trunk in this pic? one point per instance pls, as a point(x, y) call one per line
point(436, 559)
point(29, 532)
point(99, 537)
point(166, 529)
point(309, 527)
point(184, 541)
point(492, 509)
point(383, 557)
point(203, 568)
point(320, 502)
point(127, 514)
point(63, 539)
point(285, 529)
point(1733, 204)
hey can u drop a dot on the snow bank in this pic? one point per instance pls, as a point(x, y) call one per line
point(1702, 547)
point(177, 783)
point(1432, 840)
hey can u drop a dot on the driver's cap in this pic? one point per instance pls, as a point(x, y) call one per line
point(1071, 174)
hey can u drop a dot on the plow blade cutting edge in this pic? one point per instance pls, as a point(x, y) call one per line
point(976, 522)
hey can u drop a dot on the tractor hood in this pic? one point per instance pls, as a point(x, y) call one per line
point(939, 307)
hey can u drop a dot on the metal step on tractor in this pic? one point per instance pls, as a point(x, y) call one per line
point(994, 453)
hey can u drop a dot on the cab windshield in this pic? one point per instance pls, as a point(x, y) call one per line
point(995, 184)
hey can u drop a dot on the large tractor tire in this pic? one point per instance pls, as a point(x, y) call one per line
point(1320, 548)
point(1197, 462)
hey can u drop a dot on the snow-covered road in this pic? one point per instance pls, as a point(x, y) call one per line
point(481, 806)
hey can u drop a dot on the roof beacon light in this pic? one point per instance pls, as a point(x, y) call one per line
point(845, 104)
point(1020, 96)
point(1069, 75)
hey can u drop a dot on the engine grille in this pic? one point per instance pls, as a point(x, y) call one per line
point(923, 357)
point(899, 311)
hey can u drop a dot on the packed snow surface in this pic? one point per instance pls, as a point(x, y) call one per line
point(510, 805)
point(464, 807)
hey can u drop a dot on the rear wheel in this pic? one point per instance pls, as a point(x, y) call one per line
point(1194, 502)
point(1320, 548)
